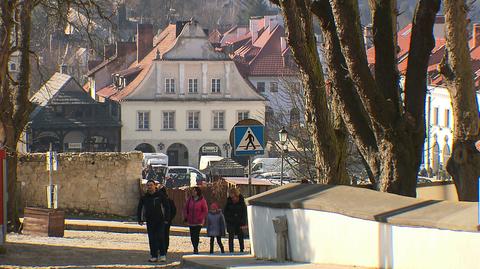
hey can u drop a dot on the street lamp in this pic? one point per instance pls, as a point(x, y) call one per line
point(226, 147)
point(282, 137)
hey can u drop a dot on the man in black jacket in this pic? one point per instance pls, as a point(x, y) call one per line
point(235, 213)
point(153, 208)
point(173, 212)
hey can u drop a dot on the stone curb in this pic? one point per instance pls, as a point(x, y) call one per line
point(178, 231)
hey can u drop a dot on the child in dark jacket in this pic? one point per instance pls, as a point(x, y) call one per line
point(215, 226)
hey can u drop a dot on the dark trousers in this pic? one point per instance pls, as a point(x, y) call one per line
point(156, 232)
point(167, 237)
point(219, 242)
point(232, 231)
point(195, 236)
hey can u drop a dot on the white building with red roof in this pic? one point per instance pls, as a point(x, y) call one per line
point(263, 57)
point(181, 97)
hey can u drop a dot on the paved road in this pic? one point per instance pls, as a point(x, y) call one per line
point(86, 249)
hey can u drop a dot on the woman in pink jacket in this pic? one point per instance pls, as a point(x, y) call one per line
point(194, 214)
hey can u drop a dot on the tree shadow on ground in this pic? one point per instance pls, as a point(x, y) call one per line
point(21, 254)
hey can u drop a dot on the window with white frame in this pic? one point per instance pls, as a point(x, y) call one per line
point(193, 120)
point(143, 120)
point(215, 85)
point(242, 115)
point(218, 119)
point(193, 85)
point(273, 86)
point(169, 120)
point(170, 85)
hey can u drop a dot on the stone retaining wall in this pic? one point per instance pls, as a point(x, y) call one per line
point(105, 183)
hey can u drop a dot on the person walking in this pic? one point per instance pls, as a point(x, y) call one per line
point(194, 213)
point(150, 173)
point(173, 213)
point(215, 226)
point(153, 208)
point(236, 218)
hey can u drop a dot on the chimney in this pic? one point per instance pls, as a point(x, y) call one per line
point(122, 16)
point(108, 51)
point(125, 48)
point(283, 43)
point(254, 28)
point(368, 36)
point(476, 35)
point(144, 40)
point(439, 27)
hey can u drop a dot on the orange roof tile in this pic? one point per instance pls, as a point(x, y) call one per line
point(165, 42)
point(264, 57)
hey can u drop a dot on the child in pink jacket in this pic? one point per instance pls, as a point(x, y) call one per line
point(194, 214)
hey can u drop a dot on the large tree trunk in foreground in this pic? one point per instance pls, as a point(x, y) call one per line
point(464, 163)
point(330, 162)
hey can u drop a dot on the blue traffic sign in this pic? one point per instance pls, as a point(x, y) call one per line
point(249, 140)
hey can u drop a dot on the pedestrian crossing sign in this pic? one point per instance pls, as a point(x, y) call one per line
point(249, 140)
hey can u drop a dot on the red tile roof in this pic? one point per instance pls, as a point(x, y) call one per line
point(264, 57)
point(215, 36)
point(162, 43)
point(107, 91)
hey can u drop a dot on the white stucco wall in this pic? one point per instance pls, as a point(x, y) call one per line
point(438, 97)
point(192, 139)
point(330, 238)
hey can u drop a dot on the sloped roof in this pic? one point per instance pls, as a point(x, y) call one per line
point(215, 36)
point(264, 56)
point(50, 89)
point(48, 118)
point(71, 98)
point(164, 43)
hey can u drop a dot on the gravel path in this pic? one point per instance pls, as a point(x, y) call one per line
point(86, 249)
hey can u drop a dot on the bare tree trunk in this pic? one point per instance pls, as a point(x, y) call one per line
point(456, 67)
point(330, 163)
point(15, 108)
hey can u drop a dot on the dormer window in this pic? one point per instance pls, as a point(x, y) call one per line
point(13, 67)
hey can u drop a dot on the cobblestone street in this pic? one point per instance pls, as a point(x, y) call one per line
point(87, 249)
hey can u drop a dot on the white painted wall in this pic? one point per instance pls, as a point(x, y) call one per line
point(330, 238)
point(440, 133)
point(192, 139)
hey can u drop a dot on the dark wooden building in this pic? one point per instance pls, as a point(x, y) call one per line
point(66, 116)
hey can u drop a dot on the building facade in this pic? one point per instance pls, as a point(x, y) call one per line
point(182, 98)
point(67, 118)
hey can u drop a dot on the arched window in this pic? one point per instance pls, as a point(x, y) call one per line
point(445, 154)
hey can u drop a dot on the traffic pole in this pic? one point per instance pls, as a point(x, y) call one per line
point(3, 199)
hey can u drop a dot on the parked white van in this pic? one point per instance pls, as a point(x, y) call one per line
point(158, 159)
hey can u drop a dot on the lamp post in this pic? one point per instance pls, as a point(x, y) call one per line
point(226, 147)
point(282, 137)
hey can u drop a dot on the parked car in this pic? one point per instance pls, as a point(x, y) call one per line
point(178, 176)
point(274, 177)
